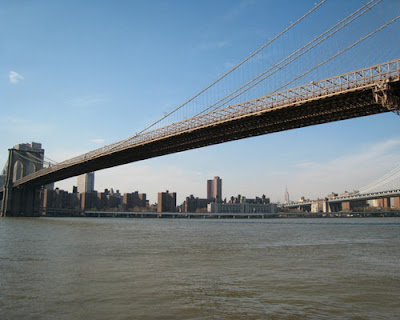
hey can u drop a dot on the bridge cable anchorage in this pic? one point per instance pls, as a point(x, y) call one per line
point(292, 57)
point(235, 67)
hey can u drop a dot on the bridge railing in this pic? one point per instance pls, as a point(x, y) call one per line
point(316, 89)
point(367, 77)
point(363, 78)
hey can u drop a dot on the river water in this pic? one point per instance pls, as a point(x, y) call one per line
point(95, 268)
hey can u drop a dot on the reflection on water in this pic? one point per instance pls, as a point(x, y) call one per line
point(199, 269)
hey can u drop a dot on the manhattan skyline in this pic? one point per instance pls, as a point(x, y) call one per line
point(76, 77)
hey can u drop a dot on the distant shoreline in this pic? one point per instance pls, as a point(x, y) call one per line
point(181, 215)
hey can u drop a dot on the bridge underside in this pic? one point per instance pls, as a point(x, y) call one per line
point(338, 107)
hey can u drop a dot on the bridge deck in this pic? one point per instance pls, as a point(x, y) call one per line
point(360, 93)
point(352, 197)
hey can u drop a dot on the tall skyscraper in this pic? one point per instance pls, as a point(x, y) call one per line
point(209, 189)
point(214, 188)
point(86, 182)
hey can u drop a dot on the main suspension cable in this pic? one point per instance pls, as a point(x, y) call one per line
point(292, 57)
point(234, 68)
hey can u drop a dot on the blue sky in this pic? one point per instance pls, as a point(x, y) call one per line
point(76, 75)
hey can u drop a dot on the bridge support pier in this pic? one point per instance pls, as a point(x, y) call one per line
point(327, 207)
point(20, 202)
point(396, 203)
point(330, 207)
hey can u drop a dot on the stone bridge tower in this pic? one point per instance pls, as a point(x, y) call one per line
point(23, 160)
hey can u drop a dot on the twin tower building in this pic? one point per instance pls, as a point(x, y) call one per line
point(214, 189)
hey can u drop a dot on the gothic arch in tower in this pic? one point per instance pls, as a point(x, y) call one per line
point(18, 170)
point(30, 168)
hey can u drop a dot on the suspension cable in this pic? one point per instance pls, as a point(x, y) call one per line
point(388, 177)
point(234, 68)
point(50, 160)
point(293, 56)
point(338, 53)
point(33, 160)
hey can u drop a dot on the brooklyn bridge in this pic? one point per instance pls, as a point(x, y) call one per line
point(248, 110)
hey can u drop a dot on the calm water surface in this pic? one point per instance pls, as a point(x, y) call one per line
point(199, 269)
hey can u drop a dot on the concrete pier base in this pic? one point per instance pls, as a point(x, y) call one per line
point(20, 202)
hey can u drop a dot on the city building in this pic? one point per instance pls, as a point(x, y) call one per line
point(214, 189)
point(134, 201)
point(166, 201)
point(244, 207)
point(242, 199)
point(192, 204)
point(383, 203)
point(241, 204)
point(59, 199)
point(86, 182)
point(287, 199)
point(88, 200)
point(209, 189)
point(108, 200)
point(55, 199)
point(396, 203)
point(359, 205)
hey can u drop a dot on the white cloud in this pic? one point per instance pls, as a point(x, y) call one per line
point(98, 141)
point(214, 45)
point(238, 9)
point(345, 173)
point(11, 126)
point(15, 77)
